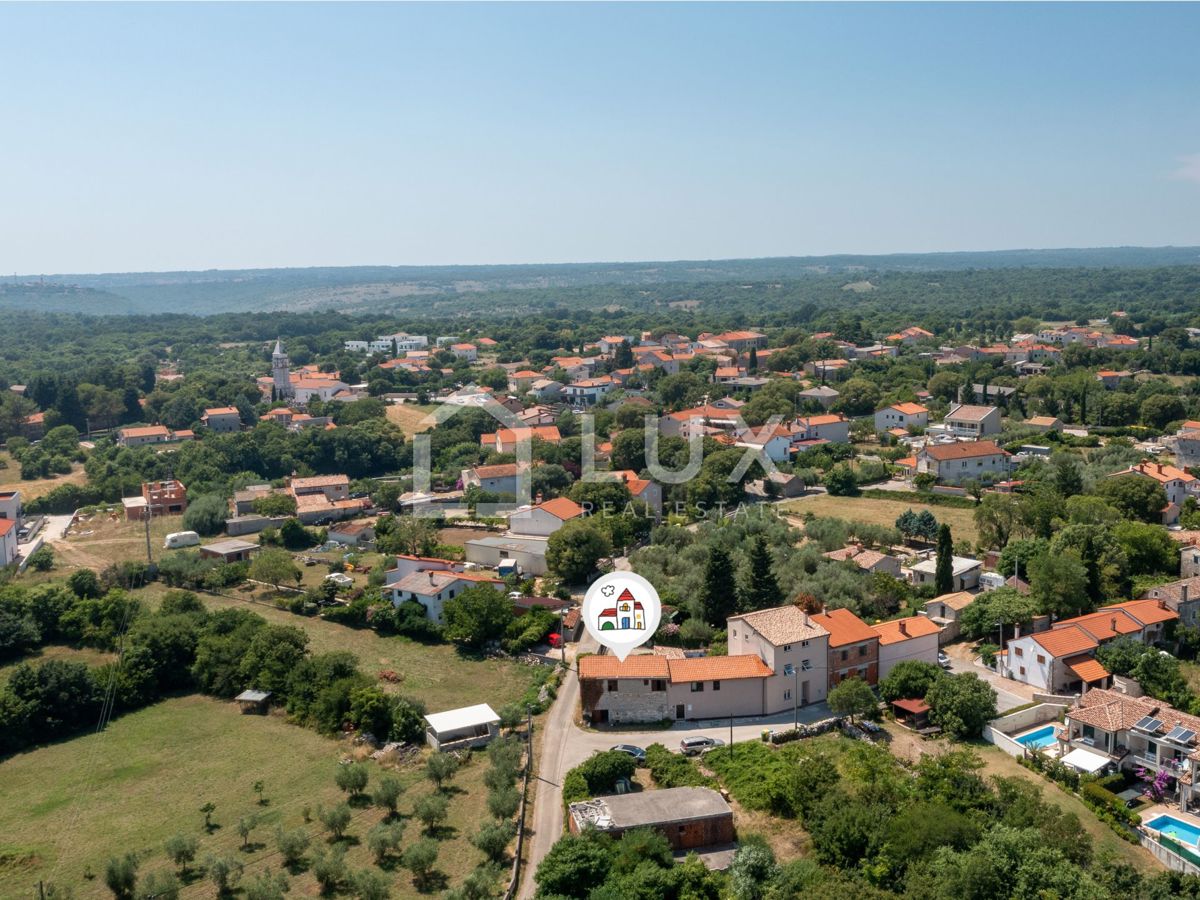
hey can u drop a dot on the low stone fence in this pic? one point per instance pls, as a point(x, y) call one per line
point(806, 731)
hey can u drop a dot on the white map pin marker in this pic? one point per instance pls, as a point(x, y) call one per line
point(621, 610)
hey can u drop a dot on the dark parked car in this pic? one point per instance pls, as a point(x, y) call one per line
point(638, 754)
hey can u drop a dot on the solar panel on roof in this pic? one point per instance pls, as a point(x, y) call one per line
point(1180, 734)
point(1148, 723)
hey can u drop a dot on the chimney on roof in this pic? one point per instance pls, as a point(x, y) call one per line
point(1113, 623)
point(1183, 593)
point(903, 627)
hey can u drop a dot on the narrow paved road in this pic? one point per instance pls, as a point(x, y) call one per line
point(564, 746)
point(1009, 693)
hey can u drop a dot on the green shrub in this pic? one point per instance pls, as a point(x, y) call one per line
point(674, 770)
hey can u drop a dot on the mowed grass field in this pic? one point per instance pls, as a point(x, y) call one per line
point(68, 807)
point(10, 479)
point(436, 673)
point(409, 416)
point(882, 512)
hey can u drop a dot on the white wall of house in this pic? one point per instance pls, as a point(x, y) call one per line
point(924, 648)
point(534, 521)
point(810, 658)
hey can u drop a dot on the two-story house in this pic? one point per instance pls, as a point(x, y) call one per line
point(966, 421)
point(964, 461)
point(1178, 485)
point(914, 637)
point(498, 479)
point(1182, 597)
point(433, 589)
point(832, 427)
point(793, 646)
point(505, 440)
point(901, 415)
point(222, 419)
point(853, 646)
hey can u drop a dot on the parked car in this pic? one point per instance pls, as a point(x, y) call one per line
point(695, 745)
point(943, 659)
point(638, 754)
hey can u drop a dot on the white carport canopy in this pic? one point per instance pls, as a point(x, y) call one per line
point(459, 719)
point(1085, 760)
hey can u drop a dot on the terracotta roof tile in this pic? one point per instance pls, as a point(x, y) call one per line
point(717, 668)
point(639, 666)
point(914, 627)
point(844, 627)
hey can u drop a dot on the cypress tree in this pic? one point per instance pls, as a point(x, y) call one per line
point(943, 579)
point(718, 595)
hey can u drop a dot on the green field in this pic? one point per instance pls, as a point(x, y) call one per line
point(436, 673)
point(882, 512)
point(68, 807)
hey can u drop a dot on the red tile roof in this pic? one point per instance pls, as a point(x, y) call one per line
point(964, 450)
point(717, 668)
point(844, 627)
point(913, 627)
point(1065, 641)
point(640, 666)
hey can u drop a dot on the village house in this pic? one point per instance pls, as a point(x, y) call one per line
point(690, 818)
point(773, 441)
point(966, 572)
point(1044, 423)
point(10, 526)
point(741, 341)
point(963, 461)
point(832, 427)
point(432, 588)
point(652, 688)
point(468, 352)
point(853, 646)
point(823, 395)
point(139, 436)
point(867, 560)
point(910, 335)
point(351, 534)
point(1063, 657)
point(828, 369)
point(965, 421)
point(1112, 379)
point(915, 637)
point(498, 479)
point(1137, 732)
point(228, 551)
point(642, 490)
point(793, 646)
point(505, 440)
point(901, 415)
point(946, 612)
point(1177, 483)
point(588, 391)
point(543, 519)
point(222, 419)
point(1182, 597)
point(324, 498)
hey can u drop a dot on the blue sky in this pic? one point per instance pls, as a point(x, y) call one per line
point(143, 137)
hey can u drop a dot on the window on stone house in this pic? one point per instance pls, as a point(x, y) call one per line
point(862, 650)
point(612, 684)
point(1022, 670)
point(845, 655)
point(658, 684)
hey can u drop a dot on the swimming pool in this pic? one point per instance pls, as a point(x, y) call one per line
point(1037, 740)
point(1182, 831)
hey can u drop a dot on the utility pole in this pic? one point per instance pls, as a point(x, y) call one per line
point(731, 735)
point(149, 558)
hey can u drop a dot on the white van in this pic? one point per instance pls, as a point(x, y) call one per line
point(178, 539)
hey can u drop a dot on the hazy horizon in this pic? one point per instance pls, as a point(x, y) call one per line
point(192, 137)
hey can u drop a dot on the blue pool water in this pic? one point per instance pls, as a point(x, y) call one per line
point(1043, 737)
point(1182, 831)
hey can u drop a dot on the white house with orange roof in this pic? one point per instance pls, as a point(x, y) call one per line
point(505, 440)
point(140, 435)
point(641, 489)
point(8, 541)
point(465, 351)
point(543, 519)
point(1176, 483)
point(963, 461)
point(900, 640)
point(741, 341)
point(773, 441)
point(1063, 658)
point(433, 588)
point(720, 415)
point(589, 391)
point(324, 498)
point(910, 335)
point(968, 421)
point(832, 427)
point(901, 415)
point(610, 342)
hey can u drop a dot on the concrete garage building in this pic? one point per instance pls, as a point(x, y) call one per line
point(528, 552)
point(649, 688)
point(688, 817)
